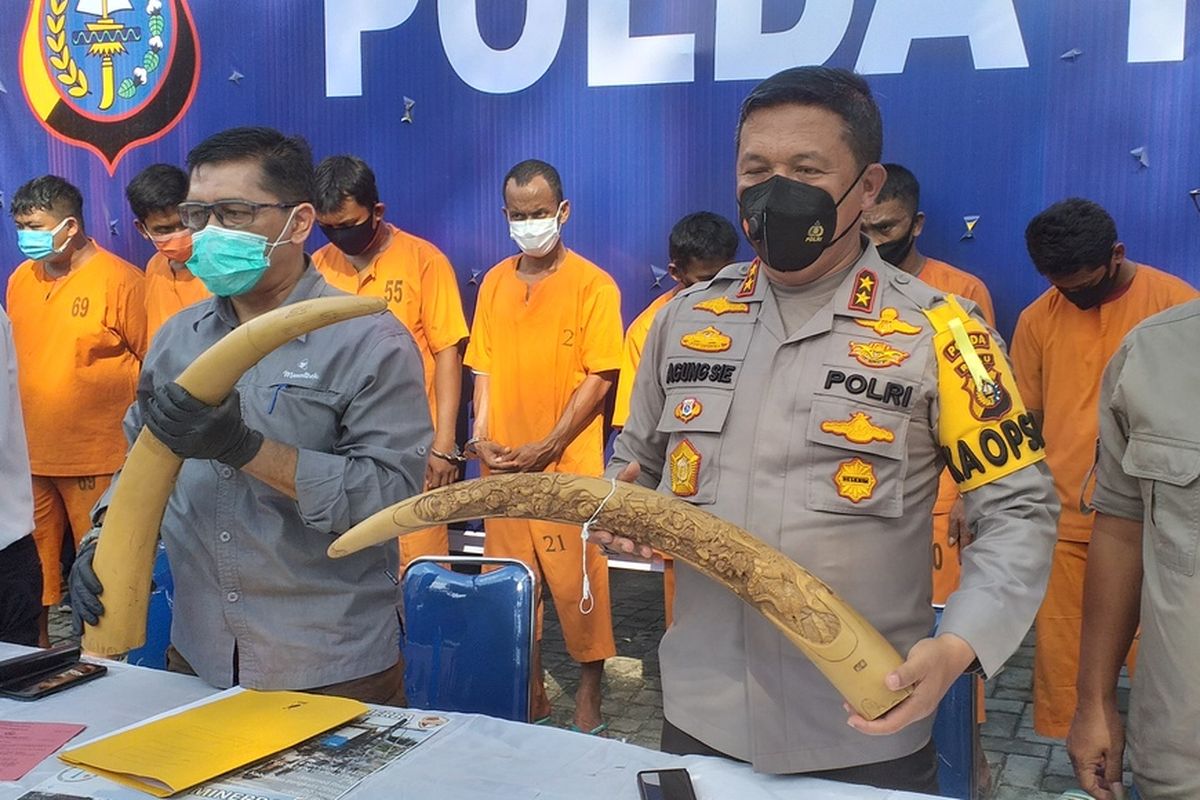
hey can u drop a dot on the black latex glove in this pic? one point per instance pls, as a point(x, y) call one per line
point(193, 429)
point(84, 586)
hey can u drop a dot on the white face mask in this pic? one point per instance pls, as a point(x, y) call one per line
point(536, 237)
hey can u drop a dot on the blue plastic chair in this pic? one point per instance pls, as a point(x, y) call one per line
point(954, 737)
point(158, 619)
point(468, 643)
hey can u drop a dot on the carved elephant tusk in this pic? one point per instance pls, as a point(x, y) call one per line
point(845, 647)
point(125, 553)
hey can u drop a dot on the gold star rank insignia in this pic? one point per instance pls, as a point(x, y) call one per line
point(862, 296)
point(889, 322)
point(749, 282)
point(855, 480)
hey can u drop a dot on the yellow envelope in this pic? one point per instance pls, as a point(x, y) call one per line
point(185, 749)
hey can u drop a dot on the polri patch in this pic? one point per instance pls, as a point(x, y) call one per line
point(688, 409)
point(877, 355)
point(708, 340)
point(858, 429)
point(855, 480)
point(889, 322)
point(722, 305)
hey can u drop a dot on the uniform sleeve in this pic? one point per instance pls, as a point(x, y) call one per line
point(1006, 567)
point(1117, 493)
point(441, 305)
point(600, 329)
point(383, 440)
point(479, 348)
point(130, 305)
point(640, 440)
point(1027, 360)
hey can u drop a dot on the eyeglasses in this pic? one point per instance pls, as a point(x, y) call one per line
point(233, 214)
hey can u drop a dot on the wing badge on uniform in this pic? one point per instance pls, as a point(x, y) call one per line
point(858, 429)
point(722, 305)
point(862, 294)
point(855, 480)
point(877, 355)
point(684, 462)
point(889, 322)
point(708, 340)
point(688, 409)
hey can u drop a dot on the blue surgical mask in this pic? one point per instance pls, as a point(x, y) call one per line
point(39, 245)
point(230, 262)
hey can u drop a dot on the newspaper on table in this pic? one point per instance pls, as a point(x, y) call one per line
point(325, 767)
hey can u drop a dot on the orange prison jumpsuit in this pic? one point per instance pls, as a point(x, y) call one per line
point(420, 287)
point(80, 340)
point(635, 340)
point(168, 291)
point(1059, 353)
point(537, 344)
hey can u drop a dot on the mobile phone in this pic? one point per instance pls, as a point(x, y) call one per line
point(38, 662)
point(45, 672)
point(665, 784)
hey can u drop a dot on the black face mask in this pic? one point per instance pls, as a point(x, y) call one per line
point(790, 223)
point(355, 239)
point(1092, 296)
point(894, 252)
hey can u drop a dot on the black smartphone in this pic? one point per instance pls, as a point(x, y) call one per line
point(665, 784)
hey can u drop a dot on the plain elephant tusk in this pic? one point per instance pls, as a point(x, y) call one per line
point(124, 559)
point(851, 653)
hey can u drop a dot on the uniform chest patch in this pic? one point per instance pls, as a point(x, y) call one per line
point(858, 429)
point(877, 355)
point(889, 322)
point(855, 480)
point(708, 340)
point(688, 409)
point(684, 462)
point(722, 305)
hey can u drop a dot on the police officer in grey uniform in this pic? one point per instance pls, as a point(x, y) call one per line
point(1143, 556)
point(812, 397)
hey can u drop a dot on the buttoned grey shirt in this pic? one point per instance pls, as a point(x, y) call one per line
point(249, 563)
point(1149, 471)
point(827, 445)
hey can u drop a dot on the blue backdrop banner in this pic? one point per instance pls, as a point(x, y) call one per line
point(999, 106)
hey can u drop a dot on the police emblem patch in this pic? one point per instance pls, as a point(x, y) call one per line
point(722, 305)
point(855, 480)
point(877, 355)
point(889, 322)
point(688, 409)
point(862, 295)
point(108, 75)
point(749, 282)
point(816, 233)
point(708, 340)
point(858, 429)
point(684, 462)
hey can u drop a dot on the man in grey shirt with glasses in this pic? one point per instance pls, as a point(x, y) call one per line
point(320, 434)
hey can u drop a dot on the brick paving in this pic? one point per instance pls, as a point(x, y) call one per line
point(1025, 766)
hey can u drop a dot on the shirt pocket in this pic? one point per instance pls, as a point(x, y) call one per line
point(693, 419)
point(1168, 470)
point(301, 416)
point(858, 458)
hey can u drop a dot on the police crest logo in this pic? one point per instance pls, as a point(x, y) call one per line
point(858, 429)
point(855, 480)
point(684, 462)
point(688, 409)
point(816, 234)
point(889, 322)
point(708, 340)
point(992, 401)
point(877, 355)
point(862, 294)
point(109, 75)
point(722, 305)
